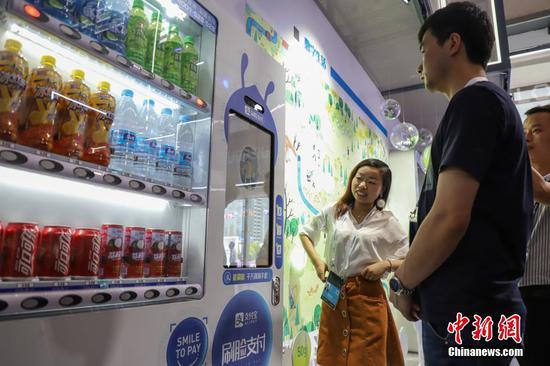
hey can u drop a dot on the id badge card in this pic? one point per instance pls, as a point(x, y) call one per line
point(333, 287)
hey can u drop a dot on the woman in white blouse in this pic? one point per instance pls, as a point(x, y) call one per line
point(363, 243)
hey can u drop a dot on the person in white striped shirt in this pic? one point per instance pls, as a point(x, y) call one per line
point(535, 284)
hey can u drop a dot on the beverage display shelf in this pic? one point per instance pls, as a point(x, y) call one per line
point(22, 157)
point(112, 57)
point(79, 295)
point(81, 284)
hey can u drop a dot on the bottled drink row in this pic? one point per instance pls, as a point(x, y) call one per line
point(114, 251)
point(128, 31)
point(40, 110)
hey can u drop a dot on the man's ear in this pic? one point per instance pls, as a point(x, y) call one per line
point(454, 44)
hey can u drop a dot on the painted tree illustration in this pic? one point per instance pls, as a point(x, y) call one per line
point(289, 213)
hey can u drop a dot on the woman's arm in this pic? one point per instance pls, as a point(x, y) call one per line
point(375, 271)
point(320, 266)
point(395, 263)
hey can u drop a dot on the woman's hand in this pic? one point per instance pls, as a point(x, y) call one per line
point(321, 268)
point(375, 271)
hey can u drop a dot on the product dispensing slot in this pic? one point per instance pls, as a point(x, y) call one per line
point(151, 294)
point(191, 291)
point(127, 296)
point(178, 194)
point(136, 185)
point(70, 300)
point(69, 31)
point(158, 190)
point(83, 173)
point(13, 157)
point(33, 303)
point(171, 292)
point(50, 165)
point(112, 179)
point(101, 298)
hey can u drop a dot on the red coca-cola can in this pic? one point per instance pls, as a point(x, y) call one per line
point(134, 252)
point(154, 253)
point(53, 255)
point(18, 251)
point(111, 256)
point(85, 253)
point(173, 254)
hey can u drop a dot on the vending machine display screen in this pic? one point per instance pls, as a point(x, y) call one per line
point(248, 213)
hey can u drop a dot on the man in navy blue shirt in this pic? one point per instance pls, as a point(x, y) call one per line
point(474, 213)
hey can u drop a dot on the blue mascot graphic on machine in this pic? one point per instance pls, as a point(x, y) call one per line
point(237, 103)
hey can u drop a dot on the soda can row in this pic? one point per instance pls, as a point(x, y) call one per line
point(59, 252)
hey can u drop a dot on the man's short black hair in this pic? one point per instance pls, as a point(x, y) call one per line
point(470, 22)
point(538, 109)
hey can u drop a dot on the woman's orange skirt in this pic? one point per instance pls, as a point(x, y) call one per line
point(361, 330)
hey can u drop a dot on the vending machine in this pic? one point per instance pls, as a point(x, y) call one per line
point(141, 186)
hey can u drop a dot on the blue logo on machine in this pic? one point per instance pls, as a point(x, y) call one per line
point(235, 103)
point(242, 276)
point(188, 344)
point(279, 229)
point(244, 334)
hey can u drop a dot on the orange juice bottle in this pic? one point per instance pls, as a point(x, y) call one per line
point(14, 70)
point(39, 107)
point(100, 119)
point(72, 114)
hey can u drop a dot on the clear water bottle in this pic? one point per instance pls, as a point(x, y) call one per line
point(183, 169)
point(146, 146)
point(201, 154)
point(167, 147)
point(86, 16)
point(123, 134)
point(112, 24)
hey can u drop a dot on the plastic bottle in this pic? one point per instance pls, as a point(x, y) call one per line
point(201, 154)
point(86, 16)
point(63, 10)
point(183, 169)
point(167, 147)
point(14, 71)
point(154, 57)
point(100, 120)
point(112, 24)
point(172, 56)
point(72, 114)
point(146, 147)
point(123, 134)
point(189, 68)
point(39, 106)
point(136, 42)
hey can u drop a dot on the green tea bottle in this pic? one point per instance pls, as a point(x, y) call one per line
point(172, 55)
point(154, 56)
point(136, 41)
point(189, 67)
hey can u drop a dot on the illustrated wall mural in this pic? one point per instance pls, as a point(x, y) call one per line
point(326, 135)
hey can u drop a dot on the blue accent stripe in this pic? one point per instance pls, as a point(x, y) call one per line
point(356, 99)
